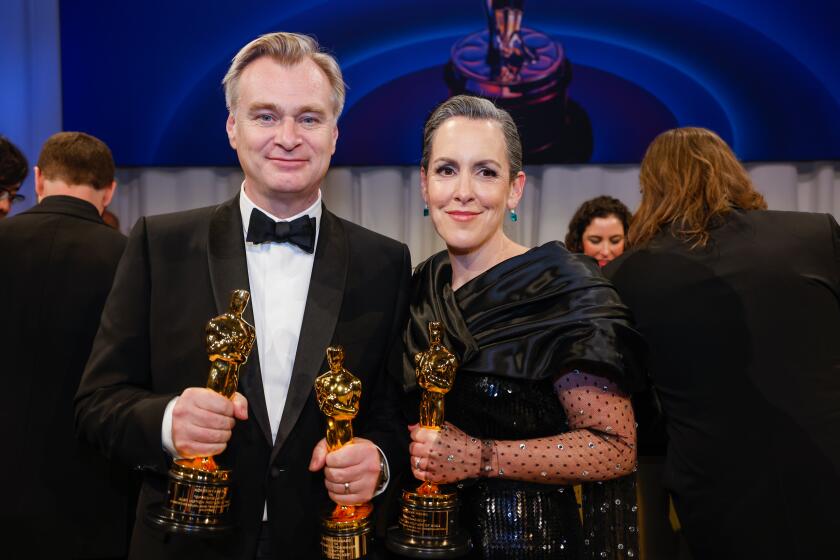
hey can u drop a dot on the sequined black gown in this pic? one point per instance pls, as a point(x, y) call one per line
point(513, 329)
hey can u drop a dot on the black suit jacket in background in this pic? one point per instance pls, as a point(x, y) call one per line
point(61, 499)
point(744, 342)
point(177, 273)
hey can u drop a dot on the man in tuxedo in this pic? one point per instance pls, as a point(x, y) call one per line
point(13, 170)
point(315, 281)
point(61, 499)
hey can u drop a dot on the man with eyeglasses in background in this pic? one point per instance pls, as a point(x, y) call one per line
point(13, 170)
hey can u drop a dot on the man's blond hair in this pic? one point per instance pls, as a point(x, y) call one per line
point(288, 49)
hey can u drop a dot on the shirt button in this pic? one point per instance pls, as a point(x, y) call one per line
point(276, 471)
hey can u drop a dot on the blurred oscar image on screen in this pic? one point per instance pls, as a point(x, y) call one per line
point(527, 73)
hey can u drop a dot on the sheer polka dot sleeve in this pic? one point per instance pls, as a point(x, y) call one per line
point(599, 445)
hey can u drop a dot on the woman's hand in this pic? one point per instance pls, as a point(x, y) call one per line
point(444, 456)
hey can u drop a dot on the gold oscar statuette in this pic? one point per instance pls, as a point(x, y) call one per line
point(345, 529)
point(198, 496)
point(428, 524)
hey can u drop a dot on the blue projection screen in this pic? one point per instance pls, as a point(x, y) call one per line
point(587, 80)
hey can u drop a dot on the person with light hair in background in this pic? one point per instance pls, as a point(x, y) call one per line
point(741, 308)
point(315, 280)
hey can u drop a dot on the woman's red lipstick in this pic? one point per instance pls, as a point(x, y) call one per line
point(462, 215)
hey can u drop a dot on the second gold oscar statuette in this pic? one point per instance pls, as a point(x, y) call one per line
point(345, 530)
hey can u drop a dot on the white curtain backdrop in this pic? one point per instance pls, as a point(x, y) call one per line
point(387, 199)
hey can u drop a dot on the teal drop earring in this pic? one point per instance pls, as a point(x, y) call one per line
point(425, 210)
point(513, 216)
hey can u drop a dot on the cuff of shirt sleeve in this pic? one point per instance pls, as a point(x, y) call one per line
point(386, 470)
point(166, 430)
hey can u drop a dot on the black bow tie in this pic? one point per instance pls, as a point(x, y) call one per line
point(300, 231)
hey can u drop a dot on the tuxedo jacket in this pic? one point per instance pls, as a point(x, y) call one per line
point(61, 499)
point(178, 272)
point(744, 342)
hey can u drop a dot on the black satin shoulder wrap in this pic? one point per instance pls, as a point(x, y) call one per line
point(529, 317)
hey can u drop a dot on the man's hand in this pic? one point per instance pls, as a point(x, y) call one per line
point(202, 421)
point(356, 464)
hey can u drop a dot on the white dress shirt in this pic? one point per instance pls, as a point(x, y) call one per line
point(279, 275)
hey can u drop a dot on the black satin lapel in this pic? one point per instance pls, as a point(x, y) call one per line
point(323, 304)
point(229, 271)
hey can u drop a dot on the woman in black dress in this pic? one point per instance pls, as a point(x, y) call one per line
point(547, 357)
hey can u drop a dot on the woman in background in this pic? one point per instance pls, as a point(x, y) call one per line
point(599, 229)
point(546, 356)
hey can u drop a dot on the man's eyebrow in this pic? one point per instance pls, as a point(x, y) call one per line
point(312, 109)
point(260, 106)
point(273, 107)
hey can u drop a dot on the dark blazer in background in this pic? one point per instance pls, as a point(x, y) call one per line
point(177, 273)
point(744, 342)
point(60, 498)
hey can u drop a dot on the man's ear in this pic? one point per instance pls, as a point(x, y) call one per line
point(108, 194)
point(39, 183)
point(230, 127)
point(334, 138)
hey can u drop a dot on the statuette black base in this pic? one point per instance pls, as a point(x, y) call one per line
point(453, 547)
point(428, 527)
point(197, 502)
